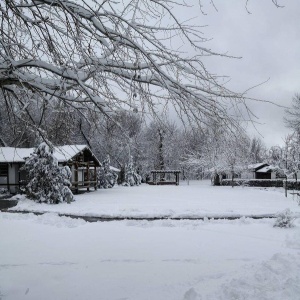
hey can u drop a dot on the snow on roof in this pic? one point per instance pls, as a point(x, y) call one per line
point(114, 169)
point(62, 153)
point(67, 152)
point(11, 154)
point(256, 166)
point(266, 169)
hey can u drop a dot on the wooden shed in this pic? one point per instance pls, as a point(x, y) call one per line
point(260, 171)
point(79, 158)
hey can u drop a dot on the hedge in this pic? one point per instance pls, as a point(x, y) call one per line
point(254, 182)
point(292, 184)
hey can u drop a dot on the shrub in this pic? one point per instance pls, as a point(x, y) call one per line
point(254, 182)
point(292, 184)
point(106, 178)
point(131, 176)
point(284, 219)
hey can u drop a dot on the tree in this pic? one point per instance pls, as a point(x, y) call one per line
point(291, 150)
point(161, 143)
point(235, 155)
point(131, 176)
point(106, 177)
point(222, 151)
point(105, 57)
point(291, 154)
point(48, 182)
point(292, 115)
point(257, 150)
point(119, 138)
point(276, 156)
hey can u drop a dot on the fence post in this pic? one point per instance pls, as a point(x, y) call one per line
point(285, 186)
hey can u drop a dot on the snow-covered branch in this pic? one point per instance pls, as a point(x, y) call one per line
point(110, 51)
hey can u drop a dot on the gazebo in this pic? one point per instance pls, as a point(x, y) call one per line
point(163, 177)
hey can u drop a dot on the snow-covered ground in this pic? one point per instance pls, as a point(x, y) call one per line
point(52, 257)
point(197, 199)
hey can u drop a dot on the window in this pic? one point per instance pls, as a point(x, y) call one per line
point(3, 170)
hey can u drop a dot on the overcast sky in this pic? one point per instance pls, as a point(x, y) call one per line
point(268, 39)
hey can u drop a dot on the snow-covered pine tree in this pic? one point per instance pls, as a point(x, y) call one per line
point(129, 171)
point(131, 176)
point(48, 182)
point(106, 178)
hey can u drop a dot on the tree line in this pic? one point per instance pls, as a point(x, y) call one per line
point(92, 72)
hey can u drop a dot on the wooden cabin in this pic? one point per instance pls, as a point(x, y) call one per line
point(81, 160)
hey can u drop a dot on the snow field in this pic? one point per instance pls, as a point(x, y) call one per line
point(199, 199)
point(51, 257)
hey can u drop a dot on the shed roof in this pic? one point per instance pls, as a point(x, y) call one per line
point(266, 169)
point(257, 166)
point(62, 153)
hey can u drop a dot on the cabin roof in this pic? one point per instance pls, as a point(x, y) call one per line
point(62, 153)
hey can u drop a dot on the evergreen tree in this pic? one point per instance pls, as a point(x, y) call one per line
point(131, 176)
point(106, 177)
point(48, 182)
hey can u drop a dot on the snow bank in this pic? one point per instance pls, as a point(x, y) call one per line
point(50, 219)
point(277, 278)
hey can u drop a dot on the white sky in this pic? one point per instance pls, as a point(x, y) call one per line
point(268, 40)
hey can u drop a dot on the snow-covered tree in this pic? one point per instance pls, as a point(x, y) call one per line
point(221, 152)
point(276, 156)
point(257, 151)
point(235, 155)
point(106, 177)
point(162, 144)
point(292, 115)
point(48, 182)
point(131, 176)
point(291, 154)
point(107, 56)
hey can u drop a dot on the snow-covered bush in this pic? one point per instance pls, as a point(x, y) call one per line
point(284, 219)
point(48, 182)
point(105, 176)
point(254, 182)
point(131, 176)
point(3, 191)
point(291, 184)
